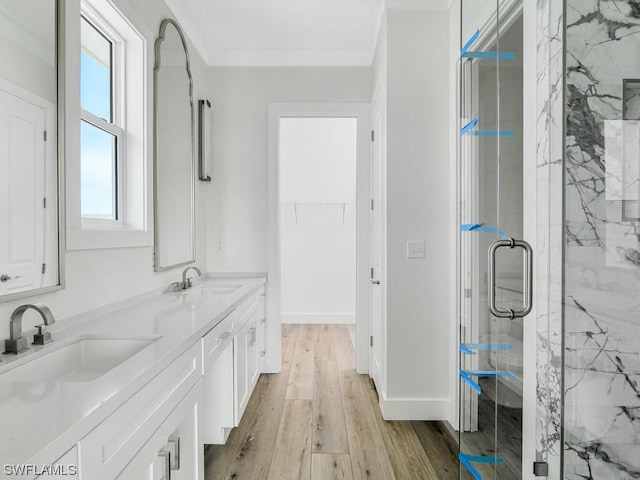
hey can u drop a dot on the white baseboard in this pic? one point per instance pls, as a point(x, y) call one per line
point(341, 318)
point(414, 409)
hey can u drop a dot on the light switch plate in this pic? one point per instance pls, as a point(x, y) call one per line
point(415, 249)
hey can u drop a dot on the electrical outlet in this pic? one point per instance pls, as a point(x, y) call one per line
point(220, 245)
point(415, 249)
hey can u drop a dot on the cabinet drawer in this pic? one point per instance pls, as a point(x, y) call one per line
point(251, 307)
point(108, 448)
point(214, 342)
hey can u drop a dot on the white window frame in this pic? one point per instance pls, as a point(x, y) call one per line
point(132, 110)
point(117, 126)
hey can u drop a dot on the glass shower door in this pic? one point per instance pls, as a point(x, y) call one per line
point(601, 228)
point(495, 263)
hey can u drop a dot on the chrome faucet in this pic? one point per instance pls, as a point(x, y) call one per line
point(16, 343)
point(186, 282)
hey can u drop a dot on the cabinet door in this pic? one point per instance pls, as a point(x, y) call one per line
point(174, 451)
point(260, 345)
point(147, 464)
point(218, 398)
point(260, 340)
point(240, 372)
point(65, 467)
point(182, 432)
point(252, 354)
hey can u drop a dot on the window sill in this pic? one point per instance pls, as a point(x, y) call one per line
point(84, 239)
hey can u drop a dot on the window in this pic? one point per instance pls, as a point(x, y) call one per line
point(101, 132)
point(108, 202)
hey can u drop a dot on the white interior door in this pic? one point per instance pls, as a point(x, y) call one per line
point(22, 193)
point(376, 367)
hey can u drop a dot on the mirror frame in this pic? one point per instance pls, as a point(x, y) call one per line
point(156, 67)
point(59, 49)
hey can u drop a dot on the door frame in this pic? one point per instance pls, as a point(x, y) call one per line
point(378, 106)
point(54, 245)
point(362, 112)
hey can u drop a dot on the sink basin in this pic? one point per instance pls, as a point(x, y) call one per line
point(213, 290)
point(84, 360)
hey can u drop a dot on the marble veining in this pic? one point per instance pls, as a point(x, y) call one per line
point(549, 162)
point(602, 244)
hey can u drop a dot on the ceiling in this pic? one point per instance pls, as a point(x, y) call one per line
point(287, 32)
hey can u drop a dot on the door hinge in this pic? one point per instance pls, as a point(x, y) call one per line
point(44, 202)
point(373, 136)
point(45, 135)
point(372, 204)
point(541, 469)
point(467, 293)
point(371, 341)
point(44, 267)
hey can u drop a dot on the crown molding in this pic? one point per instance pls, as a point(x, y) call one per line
point(425, 5)
point(337, 57)
point(188, 20)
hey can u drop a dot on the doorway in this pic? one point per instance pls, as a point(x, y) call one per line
point(317, 158)
point(314, 207)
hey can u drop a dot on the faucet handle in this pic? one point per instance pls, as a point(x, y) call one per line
point(42, 337)
point(16, 346)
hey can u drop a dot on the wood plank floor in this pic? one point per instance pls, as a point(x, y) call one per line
point(319, 420)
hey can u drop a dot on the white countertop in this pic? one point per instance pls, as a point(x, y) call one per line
point(39, 420)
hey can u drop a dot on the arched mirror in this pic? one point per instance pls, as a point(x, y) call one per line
point(174, 150)
point(30, 204)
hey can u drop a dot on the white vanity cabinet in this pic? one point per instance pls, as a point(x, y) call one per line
point(232, 365)
point(146, 421)
point(122, 446)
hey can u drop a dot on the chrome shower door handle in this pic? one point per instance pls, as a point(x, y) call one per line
point(527, 281)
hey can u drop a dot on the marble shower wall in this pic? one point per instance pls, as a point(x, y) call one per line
point(602, 243)
point(548, 288)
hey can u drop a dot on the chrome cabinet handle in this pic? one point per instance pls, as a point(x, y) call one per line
point(175, 441)
point(5, 278)
point(166, 460)
point(527, 281)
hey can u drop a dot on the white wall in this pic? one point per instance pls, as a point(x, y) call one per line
point(417, 291)
point(96, 278)
point(28, 55)
point(237, 202)
point(317, 163)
